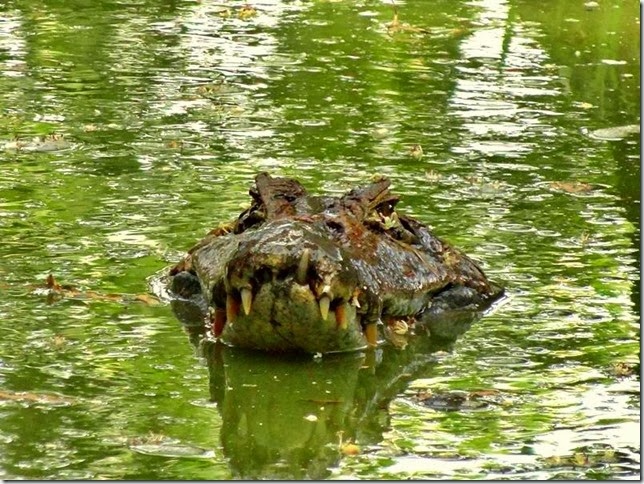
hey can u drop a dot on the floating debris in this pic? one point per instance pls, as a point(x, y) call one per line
point(584, 238)
point(396, 26)
point(416, 152)
point(173, 450)
point(460, 400)
point(621, 368)
point(247, 12)
point(572, 187)
point(35, 397)
point(350, 449)
point(52, 142)
point(616, 133)
point(584, 457)
point(584, 105)
point(147, 299)
point(58, 340)
point(380, 133)
point(433, 176)
point(161, 445)
point(55, 291)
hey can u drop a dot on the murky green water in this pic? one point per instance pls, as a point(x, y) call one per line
point(168, 109)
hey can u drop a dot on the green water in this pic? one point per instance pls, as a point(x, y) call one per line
point(169, 108)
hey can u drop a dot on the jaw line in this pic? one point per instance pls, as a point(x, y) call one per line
point(290, 312)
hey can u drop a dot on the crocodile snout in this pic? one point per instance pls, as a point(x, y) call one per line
point(283, 280)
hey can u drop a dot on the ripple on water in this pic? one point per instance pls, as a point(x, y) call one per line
point(167, 125)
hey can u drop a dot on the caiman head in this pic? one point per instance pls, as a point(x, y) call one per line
point(317, 274)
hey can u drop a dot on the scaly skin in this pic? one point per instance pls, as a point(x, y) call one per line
point(317, 274)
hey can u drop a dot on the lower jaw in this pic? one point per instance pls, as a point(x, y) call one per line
point(303, 335)
point(285, 341)
point(288, 317)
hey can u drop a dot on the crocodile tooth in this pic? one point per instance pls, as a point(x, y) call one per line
point(341, 315)
point(232, 309)
point(218, 322)
point(355, 302)
point(247, 299)
point(303, 267)
point(324, 302)
point(371, 333)
point(400, 327)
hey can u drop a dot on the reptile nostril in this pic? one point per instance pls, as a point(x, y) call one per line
point(334, 226)
point(263, 275)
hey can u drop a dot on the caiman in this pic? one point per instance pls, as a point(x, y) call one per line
point(319, 274)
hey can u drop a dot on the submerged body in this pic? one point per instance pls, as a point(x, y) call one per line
point(318, 274)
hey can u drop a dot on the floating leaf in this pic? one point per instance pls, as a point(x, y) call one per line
point(247, 12)
point(350, 449)
point(147, 299)
point(572, 187)
point(173, 450)
point(616, 133)
point(622, 369)
point(34, 397)
point(416, 152)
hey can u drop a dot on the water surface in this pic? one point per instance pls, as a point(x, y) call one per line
point(128, 129)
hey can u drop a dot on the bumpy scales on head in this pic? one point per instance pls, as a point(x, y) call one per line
point(319, 274)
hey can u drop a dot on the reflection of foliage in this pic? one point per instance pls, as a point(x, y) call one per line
point(326, 82)
point(602, 48)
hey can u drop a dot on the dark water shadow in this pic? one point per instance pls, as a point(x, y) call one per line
point(288, 416)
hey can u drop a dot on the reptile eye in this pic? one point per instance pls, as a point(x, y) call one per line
point(289, 198)
point(386, 209)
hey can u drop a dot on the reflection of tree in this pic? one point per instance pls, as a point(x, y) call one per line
point(139, 64)
point(127, 70)
point(601, 51)
point(81, 71)
point(511, 96)
point(356, 97)
point(627, 155)
point(589, 42)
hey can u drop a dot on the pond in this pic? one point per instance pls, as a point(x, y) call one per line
point(129, 128)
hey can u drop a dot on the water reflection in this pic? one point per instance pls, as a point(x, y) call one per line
point(500, 77)
point(289, 417)
point(170, 108)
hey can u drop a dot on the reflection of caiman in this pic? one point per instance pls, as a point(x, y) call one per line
point(317, 274)
point(286, 417)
